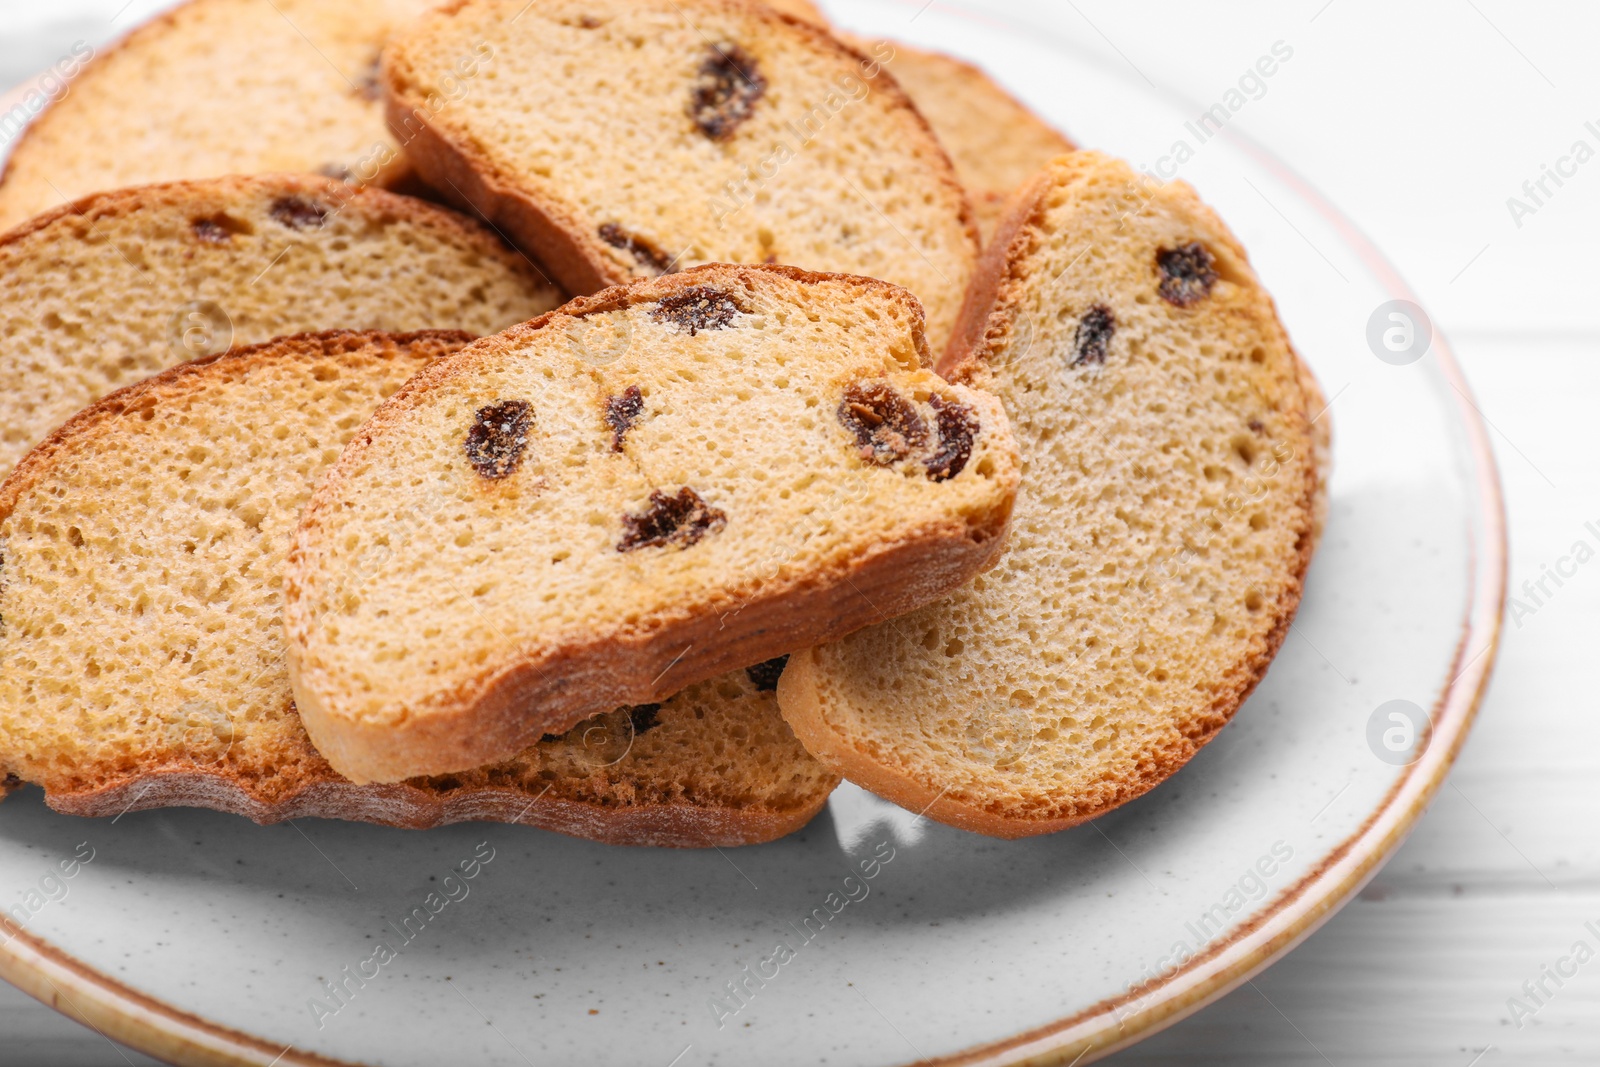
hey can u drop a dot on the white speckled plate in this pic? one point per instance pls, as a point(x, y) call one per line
point(205, 939)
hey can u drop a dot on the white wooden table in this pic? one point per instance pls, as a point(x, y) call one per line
point(1420, 121)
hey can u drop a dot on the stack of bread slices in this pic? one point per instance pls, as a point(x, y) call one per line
point(623, 417)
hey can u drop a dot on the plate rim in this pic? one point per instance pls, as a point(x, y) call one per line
point(114, 1009)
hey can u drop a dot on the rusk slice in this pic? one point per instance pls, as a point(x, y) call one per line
point(618, 139)
point(141, 654)
point(123, 284)
point(217, 87)
point(1163, 526)
point(800, 9)
point(649, 487)
point(995, 141)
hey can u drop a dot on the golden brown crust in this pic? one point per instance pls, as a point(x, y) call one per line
point(371, 200)
point(576, 257)
point(484, 719)
point(972, 115)
point(804, 10)
point(469, 182)
point(154, 27)
point(299, 782)
point(413, 807)
point(397, 174)
point(982, 324)
point(112, 406)
point(995, 269)
point(547, 690)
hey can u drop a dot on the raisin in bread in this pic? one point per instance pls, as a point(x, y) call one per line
point(649, 487)
point(218, 87)
point(123, 284)
point(141, 655)
point(994, 140)
point(618, 139)
point(1163, 526)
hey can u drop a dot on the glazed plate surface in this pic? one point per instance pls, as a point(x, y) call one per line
point(203, 938)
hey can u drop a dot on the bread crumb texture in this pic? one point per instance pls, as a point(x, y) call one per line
point(661, 134)
point(125, 284)
point(994, 140)
point(567, 500)
point(216, 87)
point(141, 647)
point(1161, 533)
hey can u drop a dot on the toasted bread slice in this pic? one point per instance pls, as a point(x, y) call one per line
point(218, 87)
point(995, 141)
point(800, 9)
point(670, 133)
point(1163, 528)
point(121, 285)
point(141, 655)
point(649, 487)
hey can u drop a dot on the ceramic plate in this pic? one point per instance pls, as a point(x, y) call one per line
point(205, 939)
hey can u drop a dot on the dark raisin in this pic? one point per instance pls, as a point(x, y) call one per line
point(958, 428)
point(697, 308)
point(369, 84)
point(643, 717)
point(498, 438)
point(1093, 339)
point(887, 427)
point(211, 231)
point(680, 520)
point(1187, 274)
point(1255, 425)
point(621, 414)
point(726, 91)
point(764, 676)
point(645, 253)
point(220, 228)
point(297, 213)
